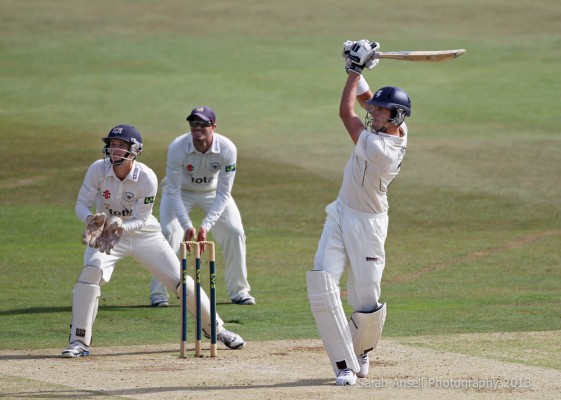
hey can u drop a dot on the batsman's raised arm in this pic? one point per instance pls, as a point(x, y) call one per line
point(350, 119)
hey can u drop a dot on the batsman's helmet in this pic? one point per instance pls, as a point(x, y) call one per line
point(127, 133)
point(394, 98)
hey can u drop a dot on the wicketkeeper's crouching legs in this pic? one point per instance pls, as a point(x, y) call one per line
point(85, 302)
point(85, 299)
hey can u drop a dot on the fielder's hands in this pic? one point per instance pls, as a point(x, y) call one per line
point(94, 227)
point(201, 237)
point(190, 236)
point(111, 234)
point(359, 55)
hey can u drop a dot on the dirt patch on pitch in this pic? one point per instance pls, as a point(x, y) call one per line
point(289, 369)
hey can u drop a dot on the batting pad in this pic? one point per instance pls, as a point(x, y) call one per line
point(366, 329)
point(325, 302)
point(84, 310)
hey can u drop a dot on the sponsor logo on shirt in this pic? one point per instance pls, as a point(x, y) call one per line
point(202, 180)
point(122, 213)
point(106, 194)
point(190, 168)
point(148, 200)
point(372, 259)
point(230, 168)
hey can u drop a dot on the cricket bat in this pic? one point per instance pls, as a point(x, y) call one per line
point(422, 55)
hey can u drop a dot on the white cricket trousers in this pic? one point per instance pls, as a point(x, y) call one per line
point(227, 231)
point(357, 239)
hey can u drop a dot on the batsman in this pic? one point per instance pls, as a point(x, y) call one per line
point(356, 226)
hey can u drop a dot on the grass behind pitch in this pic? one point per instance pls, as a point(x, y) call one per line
point(474, 223)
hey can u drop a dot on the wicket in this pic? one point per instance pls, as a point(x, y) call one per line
point(196, 248)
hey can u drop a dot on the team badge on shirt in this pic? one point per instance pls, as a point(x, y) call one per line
point(214, 166)
point(128, 196)
point(230, 168)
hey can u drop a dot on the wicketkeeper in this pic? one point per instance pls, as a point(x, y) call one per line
point(122, 192)
point(357, 221)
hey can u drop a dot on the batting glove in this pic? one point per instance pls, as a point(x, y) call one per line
point(347, 45)
point(372, 59)
point(361, 54)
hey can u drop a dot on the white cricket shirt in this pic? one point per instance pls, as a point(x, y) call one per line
point(132, 199)
point(375, 162)
point(189, 170)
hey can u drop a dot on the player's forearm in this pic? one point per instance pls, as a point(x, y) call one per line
point(348, 98)
point(363, 92)
point(82, 212)
point(217, 207)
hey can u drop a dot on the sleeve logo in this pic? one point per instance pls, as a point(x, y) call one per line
point(230, 168)
point(148, 200)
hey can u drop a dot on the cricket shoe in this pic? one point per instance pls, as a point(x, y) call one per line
point(76, 349)
point(160, 301)
point(364, 363)
point(231, 340)
point(345, 377)
point(246, 300)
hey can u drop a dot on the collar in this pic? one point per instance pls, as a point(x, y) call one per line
point(133, 174)
point(214, 147)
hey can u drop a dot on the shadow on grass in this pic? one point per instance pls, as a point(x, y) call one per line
point(60, 309)
point(87, 394)
point(54, 310)
point(93, 356)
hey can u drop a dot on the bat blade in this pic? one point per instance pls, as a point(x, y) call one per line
point(422, 55)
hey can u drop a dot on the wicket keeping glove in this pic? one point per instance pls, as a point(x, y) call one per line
point(112, 233)
point(94, 227)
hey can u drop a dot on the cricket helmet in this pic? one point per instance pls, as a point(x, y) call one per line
point(128, 134)
point(395, 99)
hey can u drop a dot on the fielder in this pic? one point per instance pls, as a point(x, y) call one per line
point(357, 222)
point(200, 172)
point(122, 190)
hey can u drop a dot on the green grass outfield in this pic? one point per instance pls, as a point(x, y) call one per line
point(475, 222)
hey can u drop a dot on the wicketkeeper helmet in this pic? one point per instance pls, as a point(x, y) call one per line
point(127, 133)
